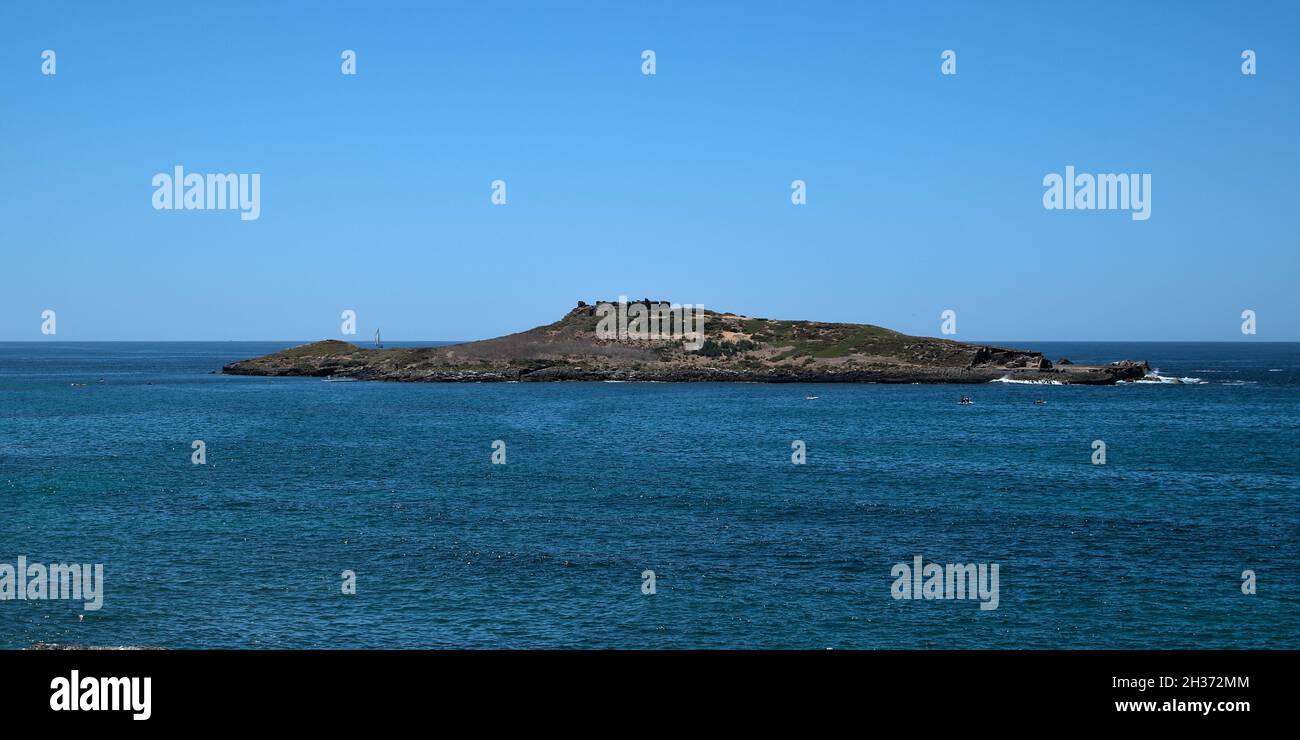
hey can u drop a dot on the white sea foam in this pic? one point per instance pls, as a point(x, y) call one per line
point(1155, 377)
point(1009, 379)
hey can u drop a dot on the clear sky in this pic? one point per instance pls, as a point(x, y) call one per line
point(924, 191)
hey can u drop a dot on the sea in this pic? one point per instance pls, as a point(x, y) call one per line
point(650, 515)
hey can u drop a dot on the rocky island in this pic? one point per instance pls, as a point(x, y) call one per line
point(732, 348)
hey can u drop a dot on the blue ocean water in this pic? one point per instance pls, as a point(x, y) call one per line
point(305, 479)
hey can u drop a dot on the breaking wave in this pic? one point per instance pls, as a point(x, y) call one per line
point(1155, 377)
point(1009, 379)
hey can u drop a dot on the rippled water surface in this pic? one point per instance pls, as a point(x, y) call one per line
point(306, 479)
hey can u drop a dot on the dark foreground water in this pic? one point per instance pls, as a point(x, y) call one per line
point(305, 479)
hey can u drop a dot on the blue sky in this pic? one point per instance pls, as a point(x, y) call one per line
point(924, 191)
